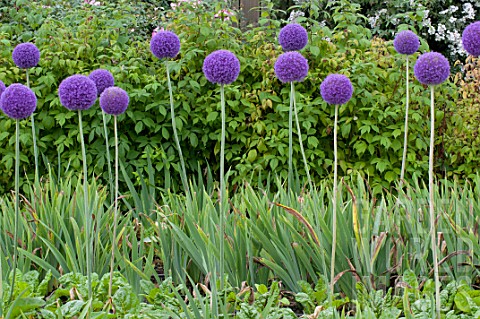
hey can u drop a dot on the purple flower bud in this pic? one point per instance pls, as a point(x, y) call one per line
point(221, 67)
point(471, 39)
point(102, 79)
point(336, 89)
point(2, 87)
point(431, 68)
point(114, 100)
point(77, 92)
point(18, 101)
point(26, 55)
point(290, 67)
point(293, 37)
point(165, 44)
point(406, 42)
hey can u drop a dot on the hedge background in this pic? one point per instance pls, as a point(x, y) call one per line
point(81, 38)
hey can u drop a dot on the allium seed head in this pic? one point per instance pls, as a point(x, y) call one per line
point(18, 101)
point(102, 79)
point(336, 89)
point(114, 100)
point(406, 42)
point(471, 39)
point(221, 67)
point(77, 92)
point(290, 67)
point(26, 55)
point(431, 68)
point(165, 44)
point(293, 37)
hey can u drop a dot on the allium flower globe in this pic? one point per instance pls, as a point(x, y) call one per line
point(293, 37)
point(290, 67)
point(406, 42)
point(18, 101)
point(165, 44)
point(2, 87)
point(26, 55)
point(77, 92)
point(114, 100)
point(102, 79)
point(336, 89)
point(221, 67)
point(431, 68)
point(471, 39)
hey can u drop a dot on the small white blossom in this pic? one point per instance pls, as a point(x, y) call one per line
point(294, 15)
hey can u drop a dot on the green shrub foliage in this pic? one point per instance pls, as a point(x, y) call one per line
point(89, 37)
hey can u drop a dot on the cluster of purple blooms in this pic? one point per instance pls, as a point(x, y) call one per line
point(76, 92)
point(18, 101)
point(79, 92)
point(291, 66)
point(431, 68)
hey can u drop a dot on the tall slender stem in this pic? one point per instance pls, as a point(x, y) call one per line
point(405, 138)
point(183, 172)
point(432, 208)
point(34, 139)
point(222, 187)
point(115, 209)
point(87, 215)
point(290, 143)
point(300, 136)
point(107, 148)
point(334, 214)
point(17, 206)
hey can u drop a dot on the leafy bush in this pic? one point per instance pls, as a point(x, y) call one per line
point(462, 141)
point(89, 37)
point(440, 22)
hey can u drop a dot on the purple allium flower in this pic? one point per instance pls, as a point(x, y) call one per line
point(18, 101)
point(102, 79)
point(77, 92)
point(406, 42)
point(26, 55)
point(2, 87)
point(471, 39)
point(290, 67)
point(114, 100)
point(336, 89)
point(293, 37)
point(165, 44)
point(221, 67)
point(431, 68)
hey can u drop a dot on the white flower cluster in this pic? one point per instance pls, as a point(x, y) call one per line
point(448, 31)
point(294, 15)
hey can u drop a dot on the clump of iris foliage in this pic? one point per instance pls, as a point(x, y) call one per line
point(265, 250)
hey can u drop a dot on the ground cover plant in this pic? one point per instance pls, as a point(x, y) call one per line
point(172, 232)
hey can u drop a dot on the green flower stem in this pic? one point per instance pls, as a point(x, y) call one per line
point(115, 210)
point(300, 136)
point(88, 223)
point(432, 208)
point(334, 215)
point(34, 138)
point(290, 144)
point(110, 176)
point(405, 139)
point(222, 187)
point(17, 206)
point(183, 172)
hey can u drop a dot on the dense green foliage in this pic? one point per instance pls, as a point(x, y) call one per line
point(170, 251)
point(89, 37)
